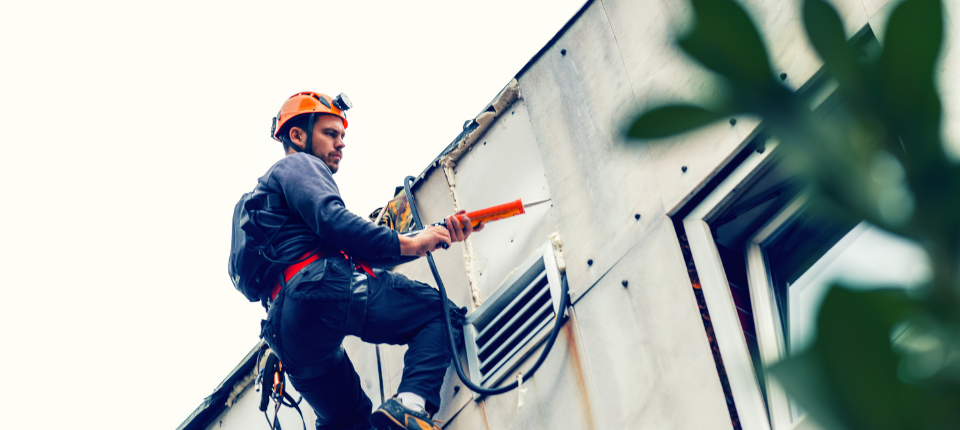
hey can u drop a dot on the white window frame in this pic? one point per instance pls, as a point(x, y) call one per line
point(771, 339)
point(744, 386)
point(755, 412)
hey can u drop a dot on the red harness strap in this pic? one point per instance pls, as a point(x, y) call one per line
point(308, 258)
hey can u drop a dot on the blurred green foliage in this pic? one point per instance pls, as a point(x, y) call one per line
point(882, 359)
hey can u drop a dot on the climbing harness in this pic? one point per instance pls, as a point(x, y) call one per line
point(272, 379)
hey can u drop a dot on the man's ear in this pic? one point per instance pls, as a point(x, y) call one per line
point(298, 137)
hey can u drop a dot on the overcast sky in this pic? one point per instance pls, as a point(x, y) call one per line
point(130, 129)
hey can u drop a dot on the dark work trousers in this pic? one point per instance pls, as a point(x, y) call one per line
point(327, 301)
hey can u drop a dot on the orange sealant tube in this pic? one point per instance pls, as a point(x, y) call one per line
point(494, 213)
point(489, 214)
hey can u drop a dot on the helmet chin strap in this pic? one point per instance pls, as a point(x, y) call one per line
point(308, 146)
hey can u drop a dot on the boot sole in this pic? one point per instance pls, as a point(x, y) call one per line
point(381, 420)
point(384, 421)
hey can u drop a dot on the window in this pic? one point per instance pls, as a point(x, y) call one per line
point(793, 261)
point(513, 321)
point(766, 258)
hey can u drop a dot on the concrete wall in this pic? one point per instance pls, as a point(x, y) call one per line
point(634, 356)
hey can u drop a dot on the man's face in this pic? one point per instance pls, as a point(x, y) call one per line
point(328, 143)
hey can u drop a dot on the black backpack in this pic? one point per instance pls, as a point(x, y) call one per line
point(249, 270)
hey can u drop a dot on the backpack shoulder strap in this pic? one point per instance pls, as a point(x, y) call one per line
point(265, 201)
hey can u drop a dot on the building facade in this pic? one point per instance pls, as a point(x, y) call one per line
point(688, 262)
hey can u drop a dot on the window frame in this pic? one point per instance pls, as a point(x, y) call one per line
point(744, 385)
point(771, 338)
point(751, 405)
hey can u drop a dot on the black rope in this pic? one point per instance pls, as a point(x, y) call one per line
point(285, 400)
point(267, 417)
point(558, 323)
point(276, 417)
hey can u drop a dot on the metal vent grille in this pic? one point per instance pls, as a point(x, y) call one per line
point(510, 324)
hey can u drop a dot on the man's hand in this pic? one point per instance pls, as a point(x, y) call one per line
point(460, 232)
point(433, 238)
point(429, 239)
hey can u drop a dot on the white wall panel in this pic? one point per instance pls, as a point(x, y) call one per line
point(781, 27)
point(454, 394)
point(503, 166)
point(660, 72)
point(559, 396)
point(577, 101)
point(472, 417)
point(645, 343)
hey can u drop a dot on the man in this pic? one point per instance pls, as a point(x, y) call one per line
point(321, 296)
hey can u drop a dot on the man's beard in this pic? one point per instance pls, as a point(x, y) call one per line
point(327, 159)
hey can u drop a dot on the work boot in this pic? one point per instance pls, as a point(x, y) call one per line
point(392, 415)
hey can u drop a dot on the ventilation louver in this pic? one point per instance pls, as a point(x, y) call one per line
point(514, 320)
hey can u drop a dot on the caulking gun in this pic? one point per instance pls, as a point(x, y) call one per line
point(492, 213)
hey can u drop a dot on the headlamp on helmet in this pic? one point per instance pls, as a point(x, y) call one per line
point(343, 102)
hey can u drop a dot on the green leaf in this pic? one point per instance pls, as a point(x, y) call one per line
point(850, 374)
point(825, 30)
point(804, 378)
point(669, 120)
point(912, 109)
point(912, 45)
point(726, 41)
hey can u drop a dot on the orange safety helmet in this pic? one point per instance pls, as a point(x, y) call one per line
point(309, 102)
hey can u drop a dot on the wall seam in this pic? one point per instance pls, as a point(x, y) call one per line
point(469, 252)
point(616, 41)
